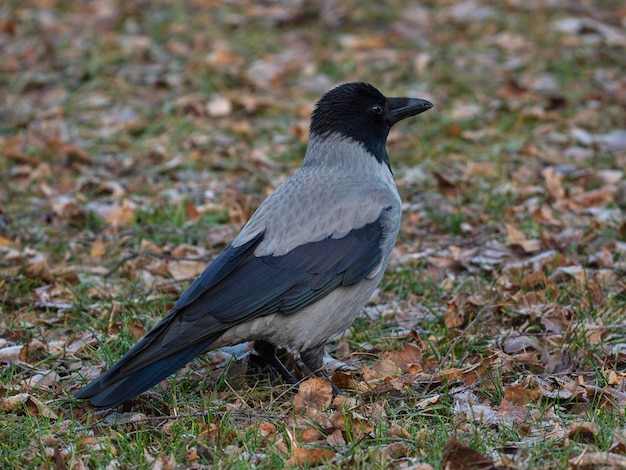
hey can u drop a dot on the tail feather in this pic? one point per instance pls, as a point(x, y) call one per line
point(114, 387)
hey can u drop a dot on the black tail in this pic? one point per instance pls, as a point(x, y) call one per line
point(117, 385)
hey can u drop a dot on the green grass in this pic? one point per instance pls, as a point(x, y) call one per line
point(73, 77)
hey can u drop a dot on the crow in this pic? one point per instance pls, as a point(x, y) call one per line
point(303, 266)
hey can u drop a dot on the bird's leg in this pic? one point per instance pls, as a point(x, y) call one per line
point(267, 352)
point(313, 359)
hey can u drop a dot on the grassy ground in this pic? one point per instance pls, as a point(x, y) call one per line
point(137, 137)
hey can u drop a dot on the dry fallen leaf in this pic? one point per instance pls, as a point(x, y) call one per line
point(37, 266)
point(520, 394)
point(458, 456)
point(121, 214)
point(164, 463)
point(408, 359)
point(98, 248)
point(26, 403)
point(14, 353)
point(45, 379)
point(316, 393)
point(460, 308)
point(569, 273)
point(513, 414)
point(68, 208)
point(310, 435)
point(302, 457)
point(592, 460)
point(584, 432)
point(357, 424)
point(343, 380)
point(336, 439)
point(515, 237)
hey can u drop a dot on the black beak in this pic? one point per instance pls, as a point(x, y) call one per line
point(402, 108)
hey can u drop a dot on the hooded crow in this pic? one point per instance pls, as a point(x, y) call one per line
point(303, 266)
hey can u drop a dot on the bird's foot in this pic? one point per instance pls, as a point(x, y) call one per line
point(266, 352)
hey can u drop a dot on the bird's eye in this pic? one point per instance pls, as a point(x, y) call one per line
point(377, 109)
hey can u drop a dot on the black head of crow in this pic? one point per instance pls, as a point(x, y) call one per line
point(359, 111)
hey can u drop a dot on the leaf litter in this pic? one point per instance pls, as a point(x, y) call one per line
point(125, 170)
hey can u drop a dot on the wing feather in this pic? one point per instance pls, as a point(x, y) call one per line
point(236, 287)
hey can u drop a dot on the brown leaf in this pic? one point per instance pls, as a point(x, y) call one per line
point(569, 273)
point(98, 248)
point(310, 435)
point(68, 208)
point(192, 457)
point(357, 424)
point(45, 379)
point(138, 330)
point(616, 379)
point(316, 393)
point(181, 251)
point(369, 41)
point(74, 152)
point(164, 463)
point(192, 212)
point(26, 403)
point(400, 432)
point(556, 320)
point(266, 429)
point(6, 242)
point(185, 269)
point(427, 402)
point(520, 395)
point(321, 418)
point(59, 459)
point(343, 401)
point(457, 456)
point(65, 274)
point(15, 353)
point(407, 358)
point(460, 308)
point(513, 414)
point(302, 457)
point(386, 368)
point(343, 380)
point(554, 183)
point(535, 280)
point(422, 466)
point(609, 398)
point(485, 169)
point(121, 214)
point(336, 438)
point(596, 197)
point(515, 237)
point(595, 460)
point(398, 450)
point(585, 432)
point(558, 362)
point(447, 185)
point(37, 266)
point(480, 371)
point(222, 57)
